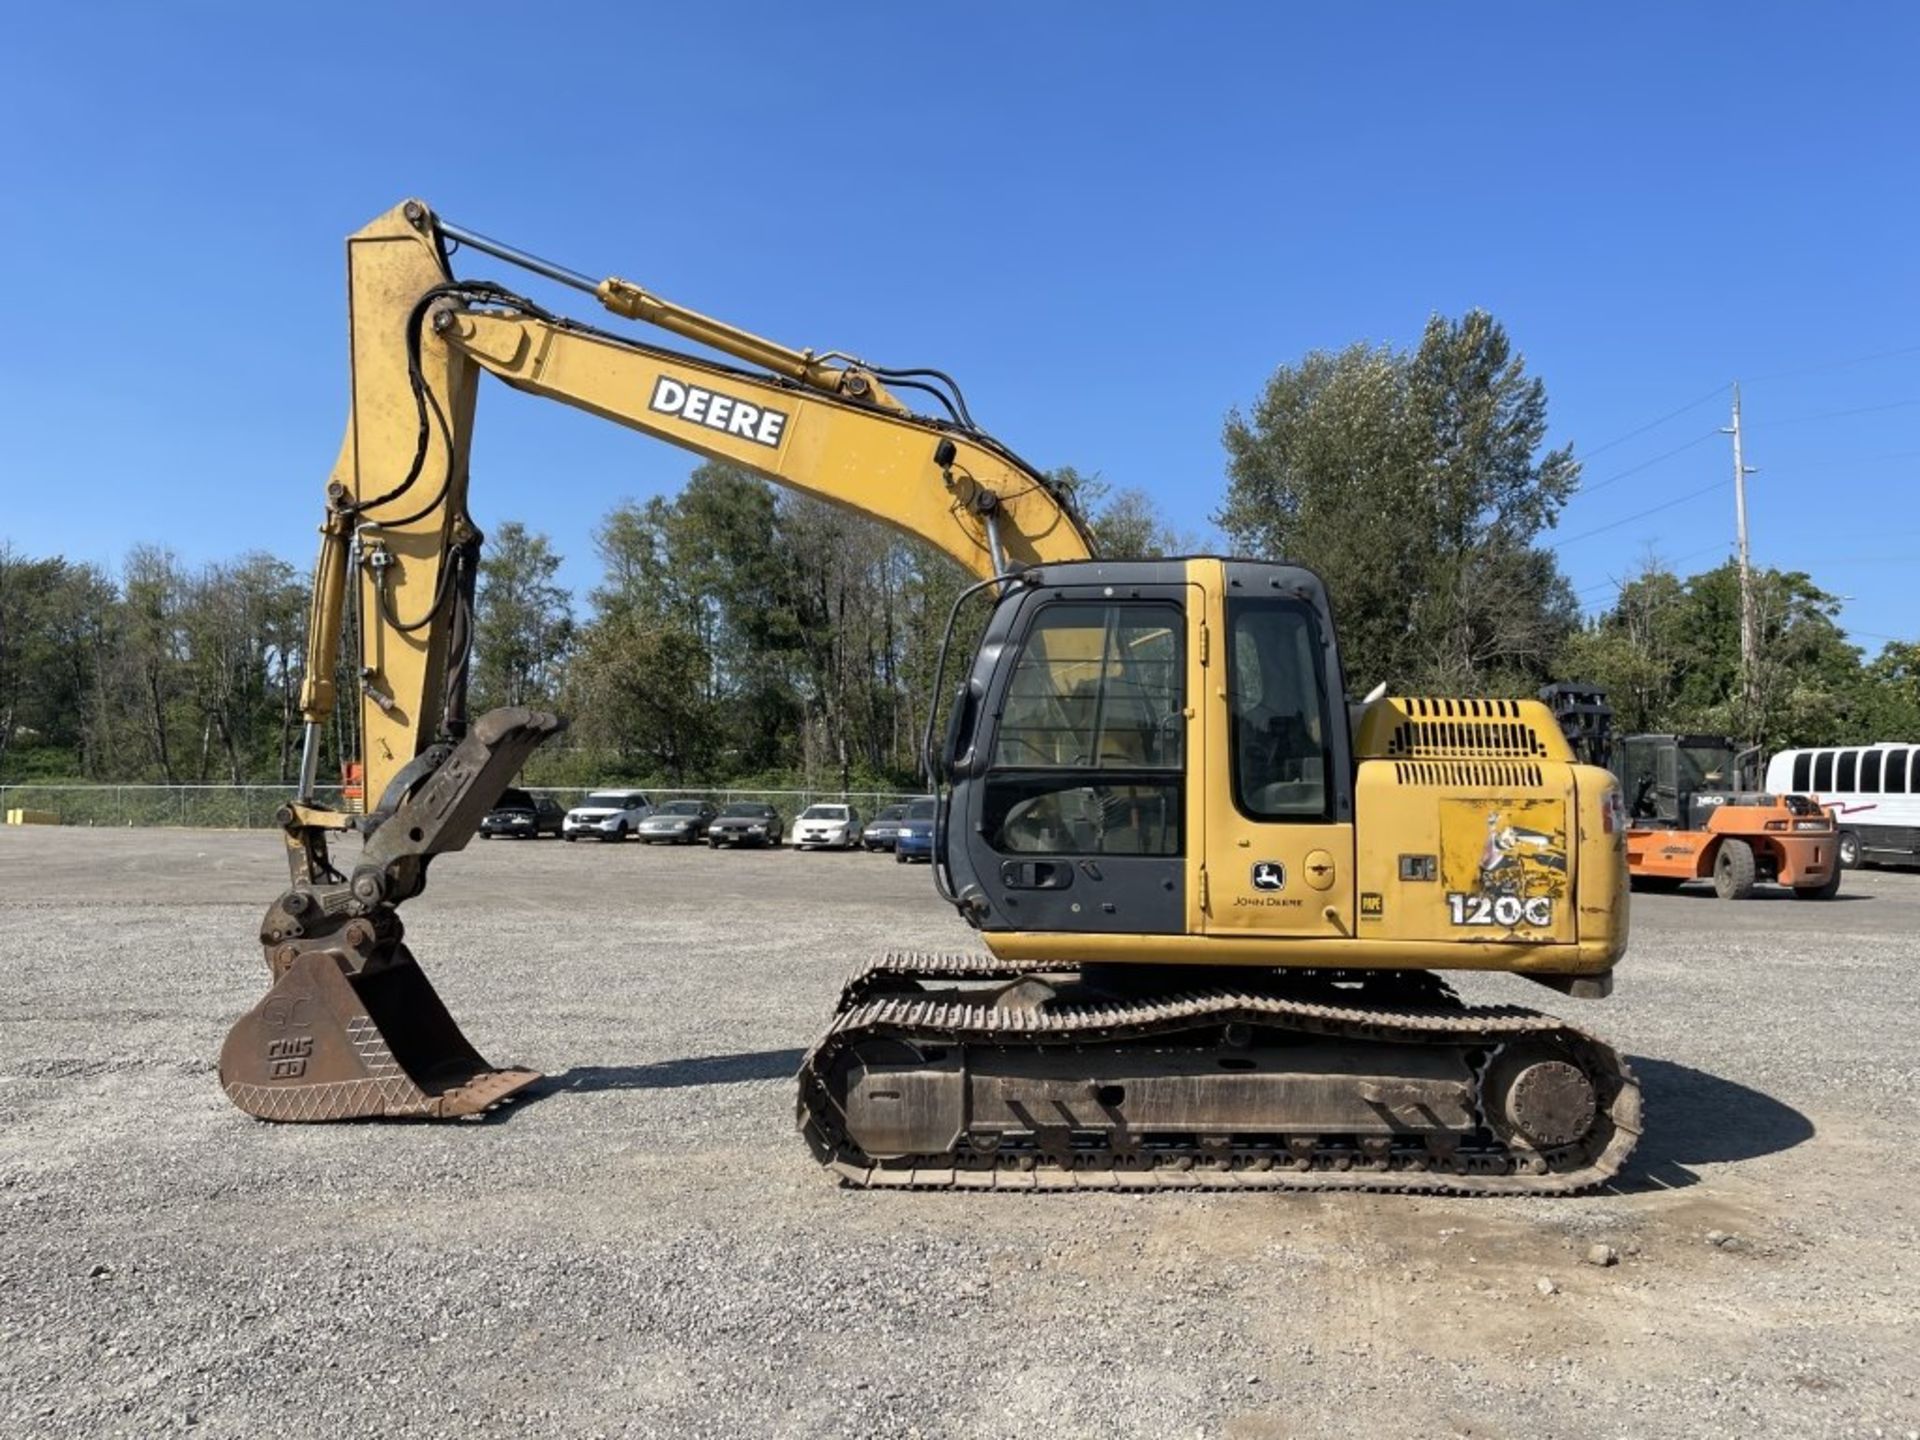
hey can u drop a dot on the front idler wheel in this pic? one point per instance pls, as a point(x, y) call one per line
point(1539, 1099)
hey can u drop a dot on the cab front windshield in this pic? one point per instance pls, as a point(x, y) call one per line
point(1706, 767)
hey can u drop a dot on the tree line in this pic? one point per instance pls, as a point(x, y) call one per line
point(744, 635)
point(737, 635)
point(161, 673)
point(1417, 483)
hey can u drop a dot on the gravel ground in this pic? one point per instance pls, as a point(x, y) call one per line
point(649, 1250)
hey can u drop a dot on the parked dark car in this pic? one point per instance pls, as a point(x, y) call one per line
point(678, 822)
point(884, 828)
point(915, 841)
point(744, 823)
point(522, 816)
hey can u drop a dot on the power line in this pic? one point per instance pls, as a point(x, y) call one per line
point(1872, 459)
point(1586, 489)
point(1590, 451)
point(1588, 454)
point(1800, 564)
point(1639, 514)
point(1839, 364)
point(1835, 414)
point(1717, 485)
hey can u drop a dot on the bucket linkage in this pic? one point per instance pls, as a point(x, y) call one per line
point(351, 1028)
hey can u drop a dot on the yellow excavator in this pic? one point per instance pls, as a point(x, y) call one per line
point(1214, 895)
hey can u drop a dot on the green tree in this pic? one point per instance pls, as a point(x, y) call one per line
point(58, 622)
point(1890, 693)
point(150, 667)
point(236, 622)
point(1414, 482)
point(1126, 522)
point(523, 621)
point(1668, 653)
point(1634, 651)
point(636, 695)
point(641, 685)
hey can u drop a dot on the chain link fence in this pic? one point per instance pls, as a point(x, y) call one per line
point(252, 807)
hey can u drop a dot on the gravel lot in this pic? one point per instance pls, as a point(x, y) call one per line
point(649, 1250)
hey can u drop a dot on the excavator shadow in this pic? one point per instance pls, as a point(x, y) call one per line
point(661, 1075)
point(1761, 892)
point(1694, 1118)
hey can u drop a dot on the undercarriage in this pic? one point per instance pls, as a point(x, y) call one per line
point(962, 1072)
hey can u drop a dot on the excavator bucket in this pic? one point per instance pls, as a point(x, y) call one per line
point(326, 1045)
point(351, 1028)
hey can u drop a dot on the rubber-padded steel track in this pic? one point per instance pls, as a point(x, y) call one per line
point(888, 1002)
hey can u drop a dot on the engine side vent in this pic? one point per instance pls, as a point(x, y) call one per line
point(1466, 737)
point(1469, 774)
point(1446, 728)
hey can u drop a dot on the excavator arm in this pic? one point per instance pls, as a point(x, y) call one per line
point(351, 1026)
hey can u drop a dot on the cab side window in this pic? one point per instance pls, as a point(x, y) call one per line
point(1278, 722)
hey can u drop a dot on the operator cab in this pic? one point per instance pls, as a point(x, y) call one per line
point(1082, 793)
point(1675, 782)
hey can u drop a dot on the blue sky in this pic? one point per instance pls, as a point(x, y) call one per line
point(1110, 222)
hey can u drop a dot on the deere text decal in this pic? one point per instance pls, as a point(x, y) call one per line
point(718, 412)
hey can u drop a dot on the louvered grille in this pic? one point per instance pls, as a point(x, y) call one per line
point(1468, 774)
point(1448, 729)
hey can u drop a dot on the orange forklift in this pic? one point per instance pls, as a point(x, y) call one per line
point(1695, 812)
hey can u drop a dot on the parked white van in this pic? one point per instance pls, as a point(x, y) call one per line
point(1873, 792)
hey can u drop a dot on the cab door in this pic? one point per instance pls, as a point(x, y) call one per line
point(1070, 769)
point(1279, 857)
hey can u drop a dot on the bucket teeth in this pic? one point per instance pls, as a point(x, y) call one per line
point(326, 1045)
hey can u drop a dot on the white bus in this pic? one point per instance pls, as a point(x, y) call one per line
point(1872, 790)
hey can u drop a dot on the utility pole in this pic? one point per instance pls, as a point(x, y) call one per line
point(1749, 637)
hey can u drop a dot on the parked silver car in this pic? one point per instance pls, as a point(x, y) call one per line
point(678, 822)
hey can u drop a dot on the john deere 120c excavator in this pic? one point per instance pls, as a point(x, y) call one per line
point(1213, 896)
